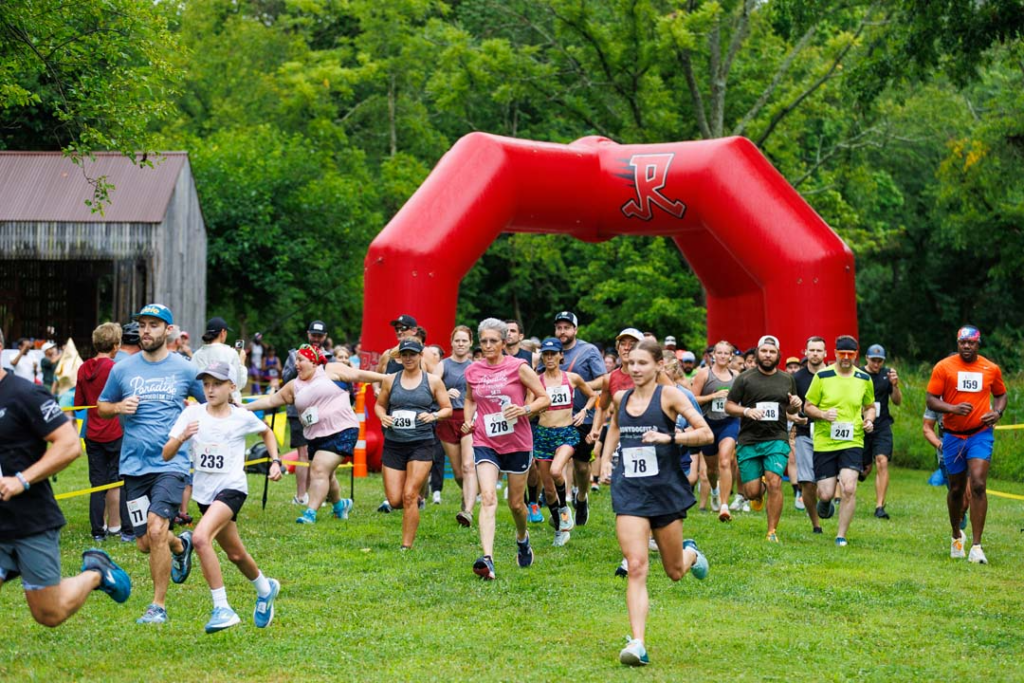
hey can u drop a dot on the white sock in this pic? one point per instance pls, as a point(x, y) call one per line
point(114, 530)
point(262, 585)
point(220, 597)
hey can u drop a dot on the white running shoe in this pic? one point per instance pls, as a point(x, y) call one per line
point(304, 500)
point(652, 545)
point(561, 538)
point(737, 502)
point(956, 547)
point(566, 522)
point(799, 503)
point(746, 505)
point(437, 497)
point(977, 555)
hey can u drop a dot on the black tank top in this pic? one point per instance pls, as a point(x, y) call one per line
point(648, 479)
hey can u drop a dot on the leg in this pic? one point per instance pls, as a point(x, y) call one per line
point(416, 472)
point(454, 453)
point(548, 480)
point(437, 467)
point(955, 501)
point(516, 486)
point(97, 477)
point(469, 483)
point(827, 488)
point(978, 474)
point(217, 517)
point(487, 474)
point(848, 485)
point(186, 497)
point(52, 605)
point(707, 473)
point(633, 533)
point(161, 543)
point(394, 486)
point(321, 472)
point(810, 491)
point(113, 508)
point(675, 560)
point(231, 542)
point(726, 468)
point(302, 473)
point(775, 497)
point(581, 476)
point(881, 479)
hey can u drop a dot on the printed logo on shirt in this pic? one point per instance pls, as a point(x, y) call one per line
point(51, 411)
point(155, 389)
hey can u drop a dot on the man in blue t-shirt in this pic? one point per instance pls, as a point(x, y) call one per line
point(148, 392)
point(585, 360)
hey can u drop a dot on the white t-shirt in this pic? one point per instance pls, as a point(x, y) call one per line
point(217, 450)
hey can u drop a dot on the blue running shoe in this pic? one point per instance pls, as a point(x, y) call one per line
point(264, 612)
point(114, 581)
point(484, 568)
point(181, 565)
point(154, 614)
point(700, 567)
point(308, 516)
point(342, 508)
point(533, 515)
point(525, 554)
point(840, 542)
point(634, 654)
point(222, 618)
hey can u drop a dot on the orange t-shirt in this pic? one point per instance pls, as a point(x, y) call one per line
point(955, 381)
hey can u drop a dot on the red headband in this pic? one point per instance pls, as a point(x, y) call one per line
point(313, 354)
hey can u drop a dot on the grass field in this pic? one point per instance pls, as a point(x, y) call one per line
point(891, 606)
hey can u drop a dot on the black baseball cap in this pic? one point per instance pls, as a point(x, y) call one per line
point(215, 325)
point(404, 321)
point(317, 327)
point(410, 345)
point(567, 316)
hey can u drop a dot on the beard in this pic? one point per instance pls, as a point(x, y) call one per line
point(153, 344)
point(765, 365)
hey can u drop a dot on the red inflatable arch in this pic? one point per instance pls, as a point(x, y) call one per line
point(767, 261)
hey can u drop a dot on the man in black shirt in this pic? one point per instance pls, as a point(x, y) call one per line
point(30, 520)
point(878, 444)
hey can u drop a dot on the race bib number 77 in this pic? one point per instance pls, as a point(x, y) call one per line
point(138, 510)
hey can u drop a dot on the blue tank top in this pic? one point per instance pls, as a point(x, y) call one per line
point(454, 377)
point(404, 405)
point(648, 479)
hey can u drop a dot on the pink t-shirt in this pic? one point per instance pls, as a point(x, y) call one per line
point(323, 407)
point(494, 387)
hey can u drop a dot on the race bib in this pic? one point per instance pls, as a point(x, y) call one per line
point(718, 405)
point(559, 396)
point(641, 461)
point(496, 424)
point(138, 510)
point(968, 382)
point(210, 458)
point(310, 416)
point(404, 419)
point(842, 431)
point(770, 411)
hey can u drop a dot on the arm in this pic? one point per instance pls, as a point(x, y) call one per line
point(380, 406)
point(937, 405)
point(930, 435)
point(64, 448)
point(275, 400)
point(677, 405)
point(270, 441)
point(531, 381)
point(604, 399)
point(444, 403)
point(611, 442)
point(897, 392)
point(468, 410)
point(126, 407)
point(591, 395)
point(815, 413)
point(176, 441)
point(347, 373)
point(998, 406)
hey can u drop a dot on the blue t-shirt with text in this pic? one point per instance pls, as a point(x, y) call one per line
point(162, 389)
point(586, 361)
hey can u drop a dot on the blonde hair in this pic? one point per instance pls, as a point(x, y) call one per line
point(106, 337)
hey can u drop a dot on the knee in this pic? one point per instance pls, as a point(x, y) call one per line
point(849, 488)
point(48, 616)
point(156, 534)
point(201, 541)
point(237, 556)
point(517, 505)
point(675, 573)
point(638, 565)
point(977, 489)
point(882, 463)
point(411, 500)
point(488, 499)
point(557, 478)
point(774, 484)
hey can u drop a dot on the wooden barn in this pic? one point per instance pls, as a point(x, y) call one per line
point(66, 267)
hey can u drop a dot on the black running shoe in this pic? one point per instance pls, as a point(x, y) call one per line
point(582, 512)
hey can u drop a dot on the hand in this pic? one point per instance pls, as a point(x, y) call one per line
point(798, 419)
point(606, 471)
point(869, 426)
point(241, 356)
point(894, 379)
point(795, 401)
point(10, 487)
point(831, 415)
point(426, 418)
point(722, 393)
point(129, 405)
point(513, 411)
point(655, 437)
point(962, 408)
point(594, 435)
point(753, 414)
point(467, 427)
point(24, 346)
point(275, 472)
point(990, 418)
point(387, 422)
point(578, 419)
point(190, 431)
point(454, 393)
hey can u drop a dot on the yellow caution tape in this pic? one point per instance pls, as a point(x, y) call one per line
point(1009, 426)
point(1000, 494)
point(71, 409)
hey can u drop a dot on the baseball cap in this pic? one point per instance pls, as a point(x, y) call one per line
point(216, 325)
point(632, 333)
point(410, 345)
point(550, 344)
point(404, 321)
point(217, 370)
point(768, 339)
point(317, 327)
point(47, 346)
point(876, 351)
point(846, 343)
point(670, 341)
point(570, 317)
point(688, 356)
point(968, 332)
point(792, 359)
point(156, 311)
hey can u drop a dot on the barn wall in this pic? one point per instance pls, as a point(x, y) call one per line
point(179, 263)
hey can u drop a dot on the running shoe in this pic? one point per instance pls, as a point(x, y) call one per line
point(623, 569)
point(127, 538)
point(595, 487)
point(436, 498)
point(772, 538)
point(737, 502)
point(724, 515)
point(308, 516)
point(222, 618)
point(716, 500)
point(634, 653)
point(826, 509)
point(525, 553)
point(561, 538)
point(181, 563)
point(341, 509)
point(421, 503)
point(582, 512)
point(757, 504)
point(99, 538)
point(652, 546)
point(565, 520)
point(484, 568)
point(114, 581)
point(841, 542)
point(818, 530)
point(956, 547)
point(746, 506)
point(263, 613)
point(700, 567)
point(304, 500)
point(977, 555)
point(798, 502)
point(384, 507)
point(880, 513)
point(464, 518)
point(533, 514)
point(154, 614)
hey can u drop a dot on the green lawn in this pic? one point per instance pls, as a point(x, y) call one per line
point(891, 606)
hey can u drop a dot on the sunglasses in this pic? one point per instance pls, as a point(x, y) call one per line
point(846, 354)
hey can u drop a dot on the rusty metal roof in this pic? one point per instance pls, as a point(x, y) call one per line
point(46, 186)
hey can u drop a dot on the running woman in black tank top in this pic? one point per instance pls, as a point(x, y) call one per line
point(650, 493)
